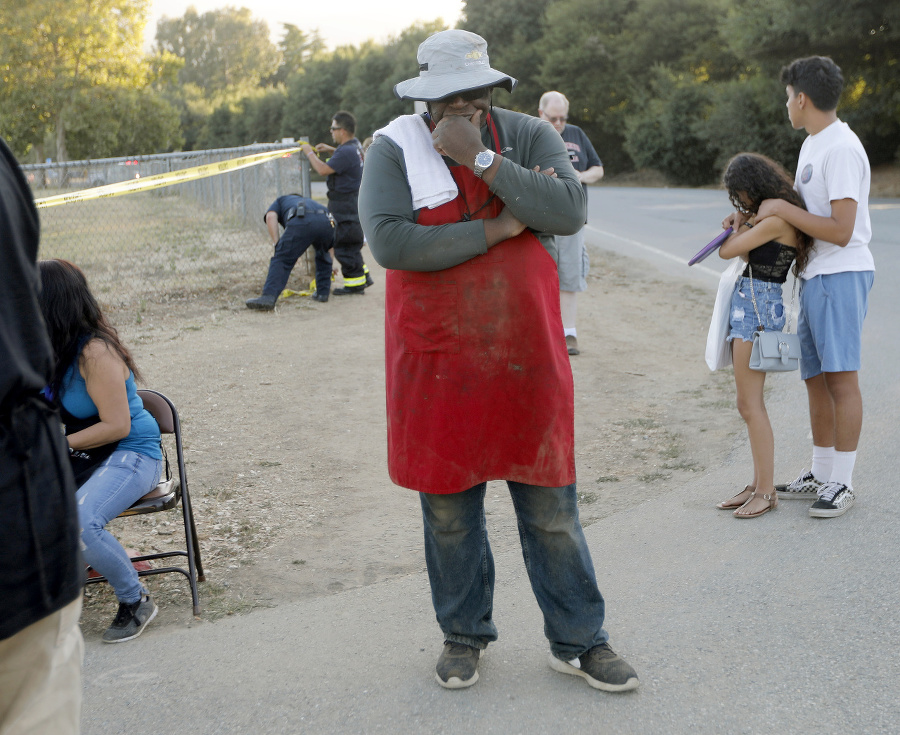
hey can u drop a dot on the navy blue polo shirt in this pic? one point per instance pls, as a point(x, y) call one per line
point(347, 162)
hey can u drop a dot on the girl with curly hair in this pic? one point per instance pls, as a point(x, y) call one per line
point(769, 247)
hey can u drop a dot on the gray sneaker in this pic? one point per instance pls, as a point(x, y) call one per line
point(805, 487)
point(457, 668)
point(131, 620)
point(601, 667)
point(835, 499)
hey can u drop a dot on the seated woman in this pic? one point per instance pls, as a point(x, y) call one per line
point(94, 378)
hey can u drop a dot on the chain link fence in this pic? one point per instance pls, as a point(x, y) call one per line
point(173, 243)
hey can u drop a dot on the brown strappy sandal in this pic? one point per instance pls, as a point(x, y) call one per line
point(770, 498)
point(728, 505)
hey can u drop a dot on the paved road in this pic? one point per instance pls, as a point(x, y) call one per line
point(787, 624)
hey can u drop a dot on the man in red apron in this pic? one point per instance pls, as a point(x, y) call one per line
point(460, 205)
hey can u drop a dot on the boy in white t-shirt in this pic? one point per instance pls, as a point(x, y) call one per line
point(833, 177)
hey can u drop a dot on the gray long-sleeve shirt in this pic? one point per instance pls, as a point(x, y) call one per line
point(549, 206)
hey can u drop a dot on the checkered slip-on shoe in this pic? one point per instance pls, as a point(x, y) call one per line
point(805, 487)
point(835, 499)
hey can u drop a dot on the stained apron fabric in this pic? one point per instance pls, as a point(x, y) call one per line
point(479, 385)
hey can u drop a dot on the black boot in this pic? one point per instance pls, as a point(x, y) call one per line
point(349, 291)
point(264, 303)
point(318, 296)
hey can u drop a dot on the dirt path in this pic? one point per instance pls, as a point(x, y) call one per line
point(284, 425)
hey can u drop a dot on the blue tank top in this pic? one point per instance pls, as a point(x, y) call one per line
point(144, 435)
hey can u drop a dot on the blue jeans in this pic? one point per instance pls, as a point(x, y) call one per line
point(115, 485)
point(461, 566)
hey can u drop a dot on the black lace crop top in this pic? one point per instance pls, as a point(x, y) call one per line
point(771, 262)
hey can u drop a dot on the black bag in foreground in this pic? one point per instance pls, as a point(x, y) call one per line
point(85, 461)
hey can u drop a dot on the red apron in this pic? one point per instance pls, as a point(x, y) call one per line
point(479, 385)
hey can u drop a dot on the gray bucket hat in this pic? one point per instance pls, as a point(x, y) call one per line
point(451, 62)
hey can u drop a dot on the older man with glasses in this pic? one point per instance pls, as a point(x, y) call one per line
point(573, 260)
point(461, 204)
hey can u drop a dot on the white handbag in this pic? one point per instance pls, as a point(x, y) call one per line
point(718, 351)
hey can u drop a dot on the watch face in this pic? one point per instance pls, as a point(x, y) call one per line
point(484, 159)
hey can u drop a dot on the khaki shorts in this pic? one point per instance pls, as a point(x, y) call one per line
point(573, 262)
point(40, 676)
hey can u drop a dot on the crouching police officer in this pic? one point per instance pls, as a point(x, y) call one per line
point(305, 223)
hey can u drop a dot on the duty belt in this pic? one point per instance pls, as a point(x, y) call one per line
point(301, 211)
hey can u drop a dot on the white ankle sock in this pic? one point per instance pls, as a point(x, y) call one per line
point(570, 332)
point(822, 462)
point(842, 469)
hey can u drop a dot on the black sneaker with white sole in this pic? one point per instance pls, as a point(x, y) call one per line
point(601, 667)
point(457, 667)
point(805, 487)
point(131, 620)
point(835, 499)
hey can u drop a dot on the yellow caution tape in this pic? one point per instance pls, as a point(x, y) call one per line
point(287, 292)
point(309, 291)
point(159, 181)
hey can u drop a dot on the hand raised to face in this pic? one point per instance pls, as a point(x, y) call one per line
point(459, 137)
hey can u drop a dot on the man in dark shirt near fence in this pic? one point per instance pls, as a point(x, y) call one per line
point(344, 174)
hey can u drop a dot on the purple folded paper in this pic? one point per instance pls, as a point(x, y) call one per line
point(709, 248)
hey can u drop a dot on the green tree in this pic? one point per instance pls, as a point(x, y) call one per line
point(581, 61)
point(193, 107)
point(602, 53)
point(513, 31)
point(135, 122)
point(222, 49)
point(253, 119)
point(296, 48)
point(664, 134)
point(748, 114)
point(369, 90)
point(265, 115)
point(863, 37)
point(219, 129)
point(52, 53)
point(315, 94)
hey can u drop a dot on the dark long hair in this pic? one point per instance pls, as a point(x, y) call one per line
point(760, 178)
point(73, 316)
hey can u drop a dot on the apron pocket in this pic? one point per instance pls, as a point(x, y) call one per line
point(429, 317)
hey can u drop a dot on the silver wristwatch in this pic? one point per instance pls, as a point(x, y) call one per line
point(483, 162)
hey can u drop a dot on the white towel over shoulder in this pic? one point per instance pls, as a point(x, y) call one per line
point(430, 180)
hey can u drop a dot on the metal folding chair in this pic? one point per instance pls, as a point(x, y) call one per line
point(165, 496)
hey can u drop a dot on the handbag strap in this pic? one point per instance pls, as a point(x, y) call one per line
point(761, 327)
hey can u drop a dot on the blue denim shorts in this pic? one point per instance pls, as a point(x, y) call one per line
point(743, 321)
point(833, 307)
